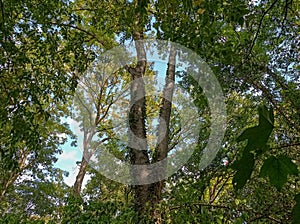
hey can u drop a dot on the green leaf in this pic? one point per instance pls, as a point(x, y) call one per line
point(244, 168)
point(258, 136)
point(266, 117)
point(277, 169)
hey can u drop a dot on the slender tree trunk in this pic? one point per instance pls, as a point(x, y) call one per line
point(162, 147)
point(8, 183)
point(9, 179)
point(80, 176)
point(87, 154)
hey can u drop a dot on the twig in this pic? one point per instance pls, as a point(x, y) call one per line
point(259, 28)
point(274, 103)
point(258, 217)
point(80, 29)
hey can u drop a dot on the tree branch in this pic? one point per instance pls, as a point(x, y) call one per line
point(259, 28)
point(199, 204)
point(80, 29)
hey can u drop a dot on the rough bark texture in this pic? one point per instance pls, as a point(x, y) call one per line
point(147, 196)
point(137, 128)
point(161, 151)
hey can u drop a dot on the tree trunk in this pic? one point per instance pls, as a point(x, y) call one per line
point(9, 179)
point(162, 147)
point(161, 150)
point(87, 154)
point(137, 128)
point(80, 176)
point(148, 195)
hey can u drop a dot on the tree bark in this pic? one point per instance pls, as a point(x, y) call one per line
point(149, 195)
point(137, 128)
point(87, 154)
point(9, 179)
point(80, 176)
point(162, 147)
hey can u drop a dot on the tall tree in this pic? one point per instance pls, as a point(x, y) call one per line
point(252, 47)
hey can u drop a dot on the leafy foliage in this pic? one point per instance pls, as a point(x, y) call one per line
point(258, 136)
point(252, 47)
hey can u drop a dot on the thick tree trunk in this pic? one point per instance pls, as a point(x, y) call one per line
point(148, 195)
point(137, 128)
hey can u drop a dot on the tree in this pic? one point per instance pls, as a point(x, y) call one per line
point(36, 81)
point(252, 48)
point(95, 96)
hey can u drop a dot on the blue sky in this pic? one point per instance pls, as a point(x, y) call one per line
point(67, 161)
